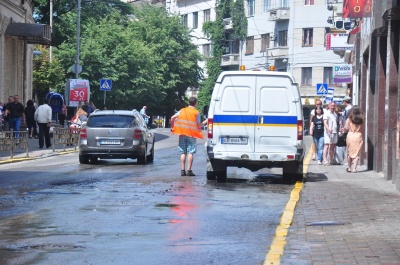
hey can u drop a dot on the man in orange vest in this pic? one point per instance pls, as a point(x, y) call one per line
point(187, 124)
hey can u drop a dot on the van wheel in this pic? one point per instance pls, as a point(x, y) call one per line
point(293, 170)
point(211, 175)
point(221, 176)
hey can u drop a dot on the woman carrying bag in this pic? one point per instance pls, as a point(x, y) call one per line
point(317, 132)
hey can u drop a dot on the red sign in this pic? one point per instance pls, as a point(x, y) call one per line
point(357, 8)
point(79, 90)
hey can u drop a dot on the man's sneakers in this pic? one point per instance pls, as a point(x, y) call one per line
point(189, 173)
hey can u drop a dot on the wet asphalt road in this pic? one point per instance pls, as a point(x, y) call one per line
point(56, 211)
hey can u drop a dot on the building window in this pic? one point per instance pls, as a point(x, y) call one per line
point(308, 2)
point(185, 20)
point(195, 20)
point(284, 3)
point(267, 6)
point(265, 42)
point(207, 50)
point(207, 15)
point(328, 75)
point(306, 76)
point(283, 38)
point(250, 45)
point(250, 7)
point(307, 37)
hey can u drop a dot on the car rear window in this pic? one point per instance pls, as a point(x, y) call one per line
point(111, 121)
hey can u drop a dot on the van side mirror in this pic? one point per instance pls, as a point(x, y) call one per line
point(205, 110)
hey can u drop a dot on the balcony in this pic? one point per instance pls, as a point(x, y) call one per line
point(278, 52)
point(228, 23)
point(282, 13)
point(230, 59)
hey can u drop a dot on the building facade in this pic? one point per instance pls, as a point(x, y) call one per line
point(18, 33)
point(376, 82)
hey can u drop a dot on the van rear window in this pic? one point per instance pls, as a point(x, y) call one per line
point(111, 121)
point(236, 99)
point(274, 100)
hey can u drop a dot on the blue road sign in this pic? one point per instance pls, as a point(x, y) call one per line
point(105, 84)
point(322, 89)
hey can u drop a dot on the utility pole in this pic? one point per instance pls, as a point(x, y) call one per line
point(78, 36)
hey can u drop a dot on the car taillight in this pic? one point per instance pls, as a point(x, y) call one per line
point(83, 134)
point(137, 134)
point(210, 125)
point(300, 130)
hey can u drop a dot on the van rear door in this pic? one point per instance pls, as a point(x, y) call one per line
point(276, 111)
point(234, 115)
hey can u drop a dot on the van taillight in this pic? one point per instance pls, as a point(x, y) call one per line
point(299, 130)
point(83, 134)
point(210, 125)
point(137, 134)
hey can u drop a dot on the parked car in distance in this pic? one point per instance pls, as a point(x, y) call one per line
point(116, 134)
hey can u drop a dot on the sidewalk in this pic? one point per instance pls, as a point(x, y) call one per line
point(344, 218)
point(34, 151)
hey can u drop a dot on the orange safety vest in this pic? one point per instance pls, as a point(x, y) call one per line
point(186, 123)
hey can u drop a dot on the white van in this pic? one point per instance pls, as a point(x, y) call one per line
point(255, 121)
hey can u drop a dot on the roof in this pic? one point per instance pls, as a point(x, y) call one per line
point(33, 33)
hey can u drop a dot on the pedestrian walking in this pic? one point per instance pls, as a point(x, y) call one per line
point(187, 124)
point(314, 150)
point(15, 111)
point(6, 117)
point(144, 115)
point(354, 141)
point(43, 116)
point(30, 118)
point(62, 115)
point(330, 133)
point(317, 132)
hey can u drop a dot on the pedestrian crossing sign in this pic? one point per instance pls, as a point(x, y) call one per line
point(105, 84)
point(322, 89)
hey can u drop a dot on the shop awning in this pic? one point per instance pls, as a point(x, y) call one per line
point(33, 33)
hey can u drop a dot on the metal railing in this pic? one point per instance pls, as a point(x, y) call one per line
point(66, 137)
point(11, 140)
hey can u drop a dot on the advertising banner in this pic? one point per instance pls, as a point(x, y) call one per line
point(357, 8)
point(342, 73)
point(77, 90)
point(337, 41)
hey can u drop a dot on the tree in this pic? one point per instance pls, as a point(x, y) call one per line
point(214, 30)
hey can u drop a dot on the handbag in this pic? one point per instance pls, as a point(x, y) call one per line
point(342, 140)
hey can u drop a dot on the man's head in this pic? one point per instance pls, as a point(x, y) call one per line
point(86, 102)
point(332, 107)
point(346, 100)
point(318, 102)
point(46, 101)
point(144, 107)
point(193, 101)
point(10, 99)
point(16, 99)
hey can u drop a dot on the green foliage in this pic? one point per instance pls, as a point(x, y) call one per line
point(149, 58)
point(214, 30)
point(47, 75)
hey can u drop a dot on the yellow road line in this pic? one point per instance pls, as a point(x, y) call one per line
point(278, 243)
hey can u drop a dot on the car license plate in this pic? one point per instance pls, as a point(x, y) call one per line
point(234, 140)
point(110, 142)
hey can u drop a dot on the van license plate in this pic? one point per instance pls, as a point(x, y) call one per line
point(234, 140)
point(110, 142)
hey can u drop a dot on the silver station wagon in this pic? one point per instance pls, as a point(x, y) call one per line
point(115, 134)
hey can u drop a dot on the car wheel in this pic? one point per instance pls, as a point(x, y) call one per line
point(83, 159)
point(143, 158)
point(211, 175)
point(150, 157)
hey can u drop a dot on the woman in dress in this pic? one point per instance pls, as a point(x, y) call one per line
point(354, 125)
point(317, 132)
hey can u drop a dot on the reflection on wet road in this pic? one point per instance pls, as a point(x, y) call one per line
point(119, 212)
